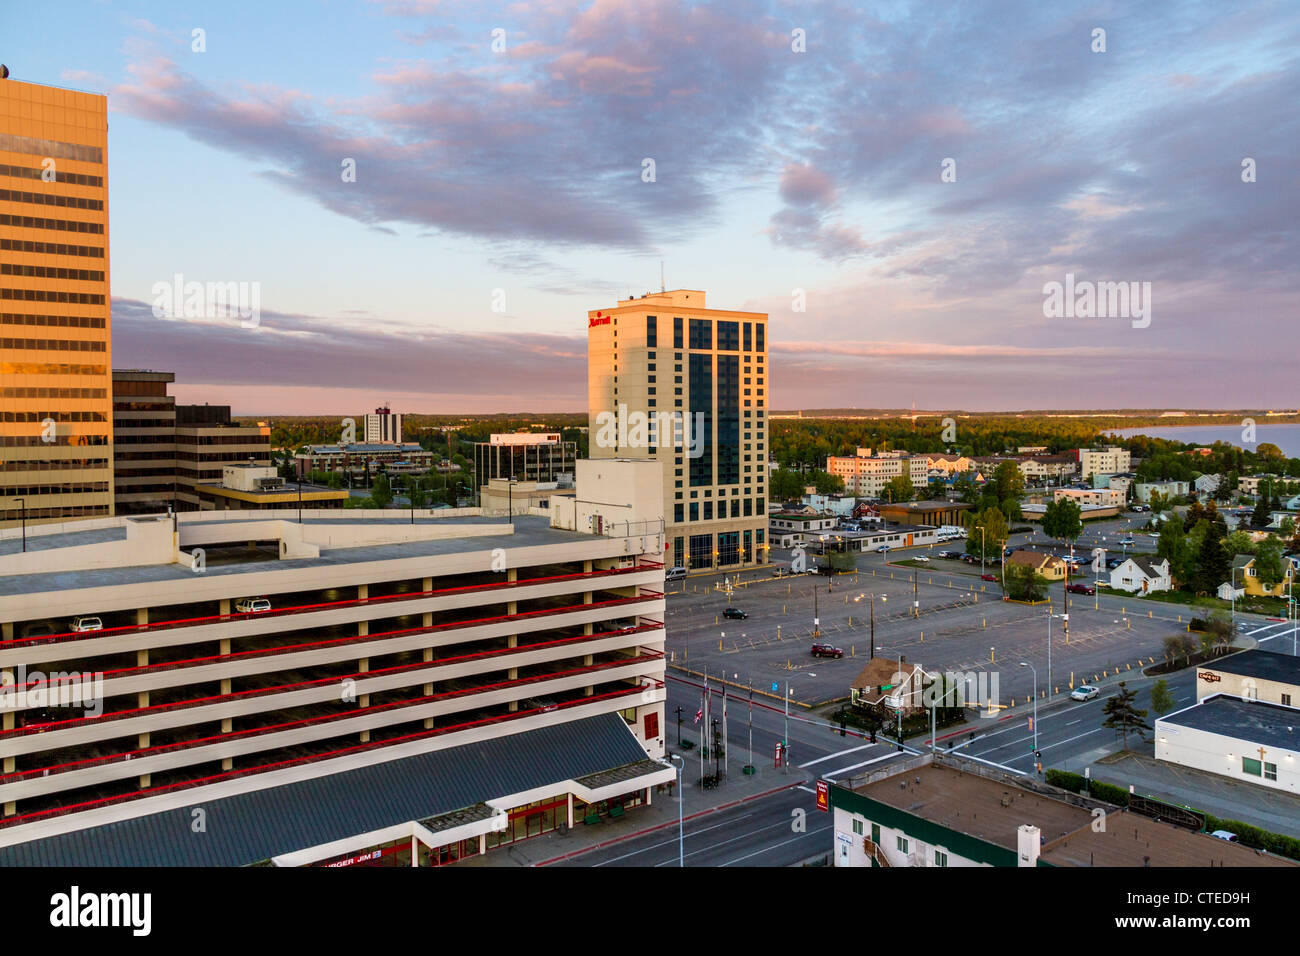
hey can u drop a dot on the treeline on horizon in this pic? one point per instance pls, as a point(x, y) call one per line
point(295, 431)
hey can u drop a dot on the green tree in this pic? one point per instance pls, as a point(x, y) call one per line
point(1011, 508)
point(1259, 517)
point(415, 492)
point(1239, 542)
point(1008, 481)
point(785, 485)
point(1162, 701)
point(825, 483)
point(989, 544)
point(1213, 564)
point(899, 488)
point(963, 487)
point(1123, 717)
point(1269, 567)
point(1174, 546)
point(1062, 521)
point(380, 493)
point(1024, 584)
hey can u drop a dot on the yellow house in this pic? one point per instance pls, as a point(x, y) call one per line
point(1045, 565)
point(1245, 578)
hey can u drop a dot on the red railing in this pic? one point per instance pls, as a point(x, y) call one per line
point(311, 758)
point(123, 756)
point(79, 722)
point(354, 639)
point(308, 608)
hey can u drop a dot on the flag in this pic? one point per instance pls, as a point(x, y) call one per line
point(699, 714)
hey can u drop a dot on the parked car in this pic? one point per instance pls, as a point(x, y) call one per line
point(252, 605)
point(921, 558)
point(624, 627)
point(969, 558)
point(1129, 540)
point(1081, 589)
point(949, 554)
point(988, 577)
point(827, 650)
point(734, 614)
point(675, 574)
point(780, 572)
point(544, 704)
point(883, 549)
point(1114, 563)
point(1225, 835)
point(1084, 692)
point(87, 624)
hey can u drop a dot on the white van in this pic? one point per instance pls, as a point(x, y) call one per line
point(87, 624)
point(252, 605)
point(675, 574)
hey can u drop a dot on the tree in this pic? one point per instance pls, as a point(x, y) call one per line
point(1008, 481)
point(989, 544)
point(1011, 508)
point(1177, 550)
point(964, 487)
point(1162, 701)
point(381, 494)
point(1239, 542)
point(1213, 564)
point(1024, 584)
point(1259, 517)
point(899, 488)
point(415, 492)
point(1061, 521)
point(1122, 717)
point(1179, 645)
point(785, 484)
point(1269, 567)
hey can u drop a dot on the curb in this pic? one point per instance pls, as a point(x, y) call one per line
point(670, 823)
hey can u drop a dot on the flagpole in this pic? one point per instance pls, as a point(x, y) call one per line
point(704, 706)
point(751, 720)
point(726, 745)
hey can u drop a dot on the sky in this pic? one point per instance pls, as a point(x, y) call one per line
point(897, 184)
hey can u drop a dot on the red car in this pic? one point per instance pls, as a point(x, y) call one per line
point(827, 650)
point(988, 577)
point(1081, 589)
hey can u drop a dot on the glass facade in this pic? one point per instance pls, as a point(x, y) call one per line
point(728, 419)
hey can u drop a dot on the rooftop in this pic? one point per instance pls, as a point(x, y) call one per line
point(1260, 723)
point(1261, 665)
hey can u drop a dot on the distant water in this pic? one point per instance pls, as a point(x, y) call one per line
point(1286, 437)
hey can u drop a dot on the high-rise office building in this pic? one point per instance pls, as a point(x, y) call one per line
point(687, 385)
point(383, 427)
point(55, 381)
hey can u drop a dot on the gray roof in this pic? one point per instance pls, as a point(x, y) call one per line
point(1261, 665)
point(1149, 564)
point(1256, 722)
point(255, 826)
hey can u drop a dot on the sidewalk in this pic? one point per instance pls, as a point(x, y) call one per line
point(660, 815)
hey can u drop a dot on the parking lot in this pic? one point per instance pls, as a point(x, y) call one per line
point(958, 623)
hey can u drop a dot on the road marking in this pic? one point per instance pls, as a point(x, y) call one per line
point(775, 845)
point(855, 766)
point(1072, 722)
point(687, 836)
point(834, 755)
point(805, 789)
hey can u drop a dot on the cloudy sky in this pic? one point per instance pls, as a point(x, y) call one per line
point(499, 153)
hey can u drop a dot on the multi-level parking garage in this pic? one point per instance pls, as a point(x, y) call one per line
point(423, 645)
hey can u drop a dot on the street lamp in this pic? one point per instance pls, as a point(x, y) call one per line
point(681, 797)
point(1035, 717)
point(510, 497)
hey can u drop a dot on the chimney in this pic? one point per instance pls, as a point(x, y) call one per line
point(1028, 841)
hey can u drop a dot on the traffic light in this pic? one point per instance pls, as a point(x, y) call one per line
point(873, 736)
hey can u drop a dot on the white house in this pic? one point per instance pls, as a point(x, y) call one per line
point(1142, 574)
point(1207, 484)
point(1227, 592)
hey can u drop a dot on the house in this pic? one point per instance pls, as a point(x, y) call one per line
point(1142, 574)
point(1227, 592)
point(1249, 484)
point(1206, 484)
point(886, 681)
point(1043, 564)
point(1243, 575)
point(1143, 490)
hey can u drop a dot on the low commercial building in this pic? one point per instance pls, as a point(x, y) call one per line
point(260, 488)
point(526, 456)
point(1110, 460)
point(785, 521)
point(1096, 497)
point(1249, 484)
point(945, 811)
point(208, 439)
point(866, 475)
point(1141, 574)
point(346, 688)
point(1246, 740)
point(503, 496)
point(1252, 675)
point(362, 458)
point(926, 512)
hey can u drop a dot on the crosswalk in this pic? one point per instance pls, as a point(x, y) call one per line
point(1265, 632)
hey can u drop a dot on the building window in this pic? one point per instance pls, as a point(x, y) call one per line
point(651, 725)
point(1270, 771)
point(651, 331)
point(1251, 766)
point(695, 511)
point(940, 858)
point(708, 511)
point(678, 514)
point(1286, 700)
point(857, 824)
point(901, 842)
point(701, 333)
point(728, 336)
point(677, 334)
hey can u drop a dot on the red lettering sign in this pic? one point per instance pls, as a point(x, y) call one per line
point(1208, 677)
point(592, 323)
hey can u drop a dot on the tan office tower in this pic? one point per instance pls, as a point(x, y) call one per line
point(672, 380)
point(55, 380)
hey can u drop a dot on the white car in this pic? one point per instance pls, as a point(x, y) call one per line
point(1084, 692)
point(883, 549)
point(1225, 835)
point(87, 624)
point(675, 574)
point(921, 558)
point(252, 605)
